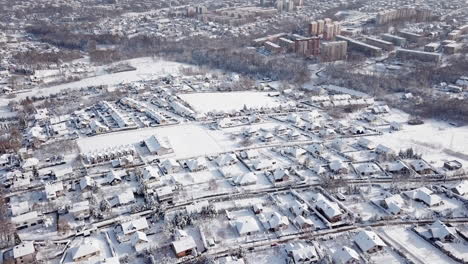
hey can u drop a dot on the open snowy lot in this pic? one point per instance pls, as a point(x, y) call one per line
point(436, 141)
point(227, 102)
point(146, 68)
point(417, 246)
point(188, 140)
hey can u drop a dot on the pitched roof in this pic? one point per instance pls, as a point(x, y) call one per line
point(345, 254)
point(84, 250)
point(23, 249)
point(246, 224)
point(134, 225)
point(367, 240)
point(184, 244)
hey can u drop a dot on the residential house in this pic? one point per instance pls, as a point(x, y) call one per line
point(267, 137)
point(124, 198)
point(85, 251)
point(149, 174)
point(159, 145)
point(115, 177)
point(297, 208)
point(87, 183)
point(366, 143)
point(127, 229)
point(367, 169)
point(329, 209)
point(346, 255)
point(302, 254)
point(226, 159)
point(338, 167)
point(438, 231)
point(368, 241)
point(461, 188)
point(170, 166)
point(424, 195)
point(27, 220)
point(246, 225)
point(165, 193)
point(263, 164)
point(250, 154)
point(139, 240)
point(394, 204)
point(397, 167)
point(278, 222)
point(304, 223)
point(22, 253)
point(245, 179)
point(184, 246)
point(281, 175)
point(197, 164)
point(453, 165)
point(421, 167)
point(80, 210)
point(53, 190)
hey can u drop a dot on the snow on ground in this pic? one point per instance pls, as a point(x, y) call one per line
point(188, 140)
point(417, 245)
point(147, 68)
point(227, 102)
point(433, 139)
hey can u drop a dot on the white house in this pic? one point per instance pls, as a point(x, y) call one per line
point(369, 241)
point(346, 255)
point(246, 225)
point(159, 145)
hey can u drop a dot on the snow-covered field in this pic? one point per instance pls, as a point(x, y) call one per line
point(227, 102)
point(433, 139)
point(188, 140)
point(418, 247)
point(146, 68)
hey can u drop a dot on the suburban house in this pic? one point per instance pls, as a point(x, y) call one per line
point(424, 195)
point(421, 167)
point(246, 225)
point(197, 164)
point(226, 159)
point(80, 210)
point(281, 175)
point(366, 143)
point(368, 241)
point(438, 231)
point(302, 254)
point(297, 208)
point(85, 251)
point(127, 229)
point(139, 240)
point(20, 254)
point(338, 167)
point(329, 209)
point(304, 223)
point(27, 220)
point(165, 193)
point(367, 169)
point(87, 183)
point(149, 173)
point(249, 154)
point(346, 255)
point(53, 190)
point(170, 166)
point(461, 188)
point(115, 177)
point(452, 165)
point(397, 167)
point(278, 222)
point(184, 246)
point(245, 179)
point(394, 204)
point(159, 145)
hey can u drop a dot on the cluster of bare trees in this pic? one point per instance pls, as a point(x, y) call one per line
point(32, 57)
point(7, 230)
